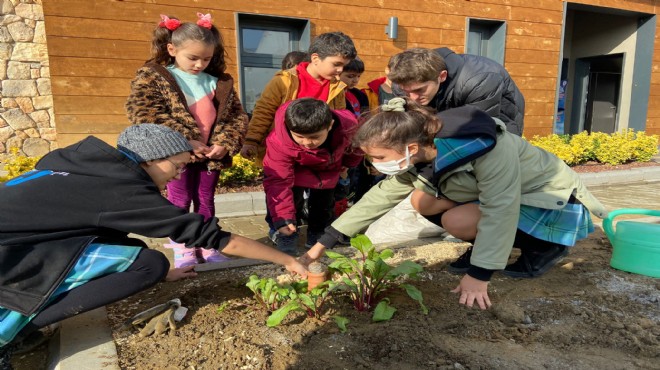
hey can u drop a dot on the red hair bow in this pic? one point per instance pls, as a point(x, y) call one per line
point(169, 23)
point(204, 20)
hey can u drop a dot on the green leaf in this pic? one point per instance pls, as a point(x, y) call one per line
point(307, 300)
point(341, 322)
point(416, 294)
point(223, 306)
point(405, 268)
point(334, 255)
point(362, 243)
point(383, 311)
point(253, 283)
point(278, 315)
point(386, 253)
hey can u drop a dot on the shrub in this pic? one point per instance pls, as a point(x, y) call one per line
point(17, 164)
point(242, 171)
point(617, 148)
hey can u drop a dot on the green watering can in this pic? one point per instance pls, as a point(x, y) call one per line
point(636, 244)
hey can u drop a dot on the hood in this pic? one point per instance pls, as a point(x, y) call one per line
point(375, 84)
point(92, 157)
point(466, 134)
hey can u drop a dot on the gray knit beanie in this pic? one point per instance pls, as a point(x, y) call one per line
point(149, 141)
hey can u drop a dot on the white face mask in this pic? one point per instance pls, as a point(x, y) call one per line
point(393, 167)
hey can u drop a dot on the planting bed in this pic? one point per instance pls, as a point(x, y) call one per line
point(580, 315)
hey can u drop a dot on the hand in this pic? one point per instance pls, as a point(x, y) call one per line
point(344, 172)
point(216, 152)
point(249, 151)
point(312, 255)
point(181, 273)
point(471, 290)
point(296, 267)
point(199, 148)
point(287, 230)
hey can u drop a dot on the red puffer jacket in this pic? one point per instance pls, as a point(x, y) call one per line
point(288, 164)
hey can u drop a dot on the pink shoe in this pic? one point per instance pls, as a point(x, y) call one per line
point(183, 256)
point(212, 255)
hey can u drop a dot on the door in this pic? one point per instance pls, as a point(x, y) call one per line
point(603, 102)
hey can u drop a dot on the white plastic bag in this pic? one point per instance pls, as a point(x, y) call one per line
point(402, 223)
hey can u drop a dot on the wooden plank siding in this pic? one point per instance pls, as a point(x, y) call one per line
point(95, 46)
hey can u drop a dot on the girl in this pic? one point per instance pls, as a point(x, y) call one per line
point(184, 86)
point(477, 181)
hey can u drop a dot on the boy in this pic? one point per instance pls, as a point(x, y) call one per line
point(308, 149)
point(442, 79)
point(317, 79)
point(379, 91)
point(356, 100)
point(64, 245)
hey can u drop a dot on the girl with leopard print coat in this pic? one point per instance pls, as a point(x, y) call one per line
point(184, 87)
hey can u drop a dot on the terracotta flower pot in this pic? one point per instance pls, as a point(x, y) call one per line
point(317, 273)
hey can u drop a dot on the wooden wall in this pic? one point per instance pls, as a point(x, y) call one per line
point(95, 46)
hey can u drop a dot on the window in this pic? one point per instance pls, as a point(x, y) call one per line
point(486, 38)
point(263, 42)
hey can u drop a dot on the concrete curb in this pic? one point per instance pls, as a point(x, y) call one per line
point(85, 341)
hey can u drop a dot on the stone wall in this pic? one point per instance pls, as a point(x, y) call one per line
point(26, 112)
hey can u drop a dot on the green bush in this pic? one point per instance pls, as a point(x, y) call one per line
point(17, 164)
point(617, 148)
point(242, 171)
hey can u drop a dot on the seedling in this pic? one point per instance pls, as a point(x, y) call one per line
point(369, 277)
point(280, 300)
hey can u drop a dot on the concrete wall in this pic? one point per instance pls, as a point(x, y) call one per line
point(27, 121)
point(603, 34)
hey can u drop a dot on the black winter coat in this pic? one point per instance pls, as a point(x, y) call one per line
point(483, 83)
point(78, 194)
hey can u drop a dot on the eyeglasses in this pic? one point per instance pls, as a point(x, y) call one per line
point(179, 170)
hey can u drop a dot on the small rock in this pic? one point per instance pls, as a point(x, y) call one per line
point(458, 366)
point(568, 266)
point(509, 313)
point(527, 320)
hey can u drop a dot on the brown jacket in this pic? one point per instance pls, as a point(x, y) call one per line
point(281, 89)
point(156, 98)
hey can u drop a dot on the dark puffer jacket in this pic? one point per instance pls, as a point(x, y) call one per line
point(483, 83)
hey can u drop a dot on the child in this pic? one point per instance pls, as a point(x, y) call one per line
point(464, 171)
point(317, 79)
point(64, 245)
point(308, 148)
point(184, 86)
point(293, 58)
point(356, 101)
point(379, 91)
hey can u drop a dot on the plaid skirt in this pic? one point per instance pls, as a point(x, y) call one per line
point(97, 260)
point(562, 226)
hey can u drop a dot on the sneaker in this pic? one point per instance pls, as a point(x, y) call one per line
point(462, 264)
point(312, 238)
point(183, 256)
point(534, 263)
point(272, 235)
point(211, 255)
point(288, 244)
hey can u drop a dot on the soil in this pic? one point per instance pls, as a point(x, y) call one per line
point(582, 314)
